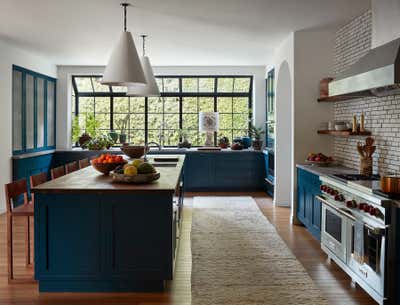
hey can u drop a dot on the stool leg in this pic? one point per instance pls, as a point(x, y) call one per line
point(28, 241)
point(10, 248)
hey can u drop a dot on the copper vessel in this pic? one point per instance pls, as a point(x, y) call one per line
point(390, 184)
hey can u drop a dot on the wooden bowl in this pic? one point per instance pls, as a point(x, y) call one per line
point(106, 168)
point(138, 179)
point(133, 152)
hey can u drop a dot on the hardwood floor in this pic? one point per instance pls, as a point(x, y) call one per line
point(334, 283)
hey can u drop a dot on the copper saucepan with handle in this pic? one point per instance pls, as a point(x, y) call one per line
point(390, 184)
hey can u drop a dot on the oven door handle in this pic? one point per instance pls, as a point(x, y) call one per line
point(323, 200)
point(377, 231)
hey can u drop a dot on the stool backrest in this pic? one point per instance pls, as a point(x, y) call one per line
point(84, 163)
point(71, 167)
point(14, 191)
point(36, 180)
point(57, 172)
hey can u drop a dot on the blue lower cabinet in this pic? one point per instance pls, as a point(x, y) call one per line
point(224, 171)
point(101, 242)
point(309, 208)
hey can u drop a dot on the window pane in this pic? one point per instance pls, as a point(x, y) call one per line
point(136, 121)
point(239, 133)
point(225, 121)
point(121, 121)
point(192, 136)
point(171, 121)
point(171, 137)
point(240, 121)
point(171, 105)
point(137, 104)
point(154, 121)
point(242, 84)
point(190, 121)
point(154, 135)
point(50, 113)
point(40, 112)
point(189, 104)
point(224, 104)
point(84, 84)
point(82, 121)
point(171, 85)
point(102, 104)
point(190, 84)
point(240, 105)
point(136, 137)
point(104, 120)
point(121, 105)
point(206, 84)
point(155, 105)
point(86, 105)
point(29, 115)
point(99, 87)
point(160, 85)
point(206, 104)
point(225, 84)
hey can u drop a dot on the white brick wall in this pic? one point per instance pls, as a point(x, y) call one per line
point(382, 114)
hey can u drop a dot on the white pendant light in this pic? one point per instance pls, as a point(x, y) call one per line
point(151, 88)
point(124, 67)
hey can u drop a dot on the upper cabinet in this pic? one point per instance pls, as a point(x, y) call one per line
point(34, 111)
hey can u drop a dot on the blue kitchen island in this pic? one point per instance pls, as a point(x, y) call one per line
point(92, 235)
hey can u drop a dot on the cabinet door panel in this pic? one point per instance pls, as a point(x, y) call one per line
point(17, 111)
point(30, 112)
point(50, 113)
point(40, 112)
point(199, 171)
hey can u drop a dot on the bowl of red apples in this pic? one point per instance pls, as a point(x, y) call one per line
point(319, 159)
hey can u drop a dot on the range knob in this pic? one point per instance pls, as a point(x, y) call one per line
point(362, 205)
point(372, 211)
point(339, 197)
point(323, 187)
point(367, 208)
point(352, 204)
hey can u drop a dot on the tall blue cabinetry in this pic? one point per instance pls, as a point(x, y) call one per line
point(309, 208)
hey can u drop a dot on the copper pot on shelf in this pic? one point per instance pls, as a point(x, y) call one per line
point(390, 184)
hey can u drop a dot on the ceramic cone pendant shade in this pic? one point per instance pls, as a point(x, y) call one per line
point(124, 67)
point(151, 88)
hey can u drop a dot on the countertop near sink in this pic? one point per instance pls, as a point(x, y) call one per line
point(327, 170)
point(88, 180)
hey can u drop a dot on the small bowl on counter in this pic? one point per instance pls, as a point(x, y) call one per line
point(134, 151)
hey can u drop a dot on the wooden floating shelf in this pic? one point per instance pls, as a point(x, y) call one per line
point(344, 133)
point(339, 98)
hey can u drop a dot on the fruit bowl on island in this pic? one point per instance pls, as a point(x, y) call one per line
point(319, 159)
point(107, 163)
point(136, 171)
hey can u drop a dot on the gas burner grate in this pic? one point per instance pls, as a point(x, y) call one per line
point(356, 177)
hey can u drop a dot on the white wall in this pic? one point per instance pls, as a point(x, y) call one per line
point(385, 21)
point(10, 55)
point(305, 57)
point(64, 90)
point(284, 70)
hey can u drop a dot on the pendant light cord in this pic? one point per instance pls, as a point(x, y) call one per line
point(144, 44)
point(125, 5)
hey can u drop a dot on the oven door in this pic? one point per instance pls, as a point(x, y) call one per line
point(373, 268)
point(333, 230)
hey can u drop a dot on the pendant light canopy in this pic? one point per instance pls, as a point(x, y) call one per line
point(124, 67)
point(151, 88)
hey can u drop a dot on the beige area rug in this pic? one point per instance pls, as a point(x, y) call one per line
point(238, 258)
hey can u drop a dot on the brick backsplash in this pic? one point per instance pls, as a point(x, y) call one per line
point(382, 115)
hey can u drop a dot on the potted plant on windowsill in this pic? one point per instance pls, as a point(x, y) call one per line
point(122, 125)
point(256, 133)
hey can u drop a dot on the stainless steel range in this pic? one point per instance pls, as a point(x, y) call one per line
point(354, 233)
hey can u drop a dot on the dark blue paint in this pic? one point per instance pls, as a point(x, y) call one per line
point(46, 79)
point(97, 242)
point(308, 208)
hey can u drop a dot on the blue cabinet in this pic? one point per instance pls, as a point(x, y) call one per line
point(224, 171)
point(308, 208)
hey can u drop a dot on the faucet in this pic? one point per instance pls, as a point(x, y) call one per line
point(156, 144)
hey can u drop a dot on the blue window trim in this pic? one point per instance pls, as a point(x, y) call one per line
point(46, 80)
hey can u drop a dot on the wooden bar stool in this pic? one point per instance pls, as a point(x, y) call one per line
point(84, 163)
point(36, 180)
point(71, 167)
point(14, 191)
point(57, 172)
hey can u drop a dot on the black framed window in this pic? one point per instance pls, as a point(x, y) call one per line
point(171, 116)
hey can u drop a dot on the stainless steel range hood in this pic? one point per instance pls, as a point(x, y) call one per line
point(375, 74)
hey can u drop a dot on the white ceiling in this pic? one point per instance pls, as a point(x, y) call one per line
point(181, 32)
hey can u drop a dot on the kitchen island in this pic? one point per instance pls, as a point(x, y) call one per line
point(93, 235)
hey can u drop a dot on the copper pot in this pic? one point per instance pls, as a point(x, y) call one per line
point(390, 184)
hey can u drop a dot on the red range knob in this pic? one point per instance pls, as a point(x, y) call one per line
point(367, 208)
point(372, 211)
point(322, 187)
point(361, 206)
